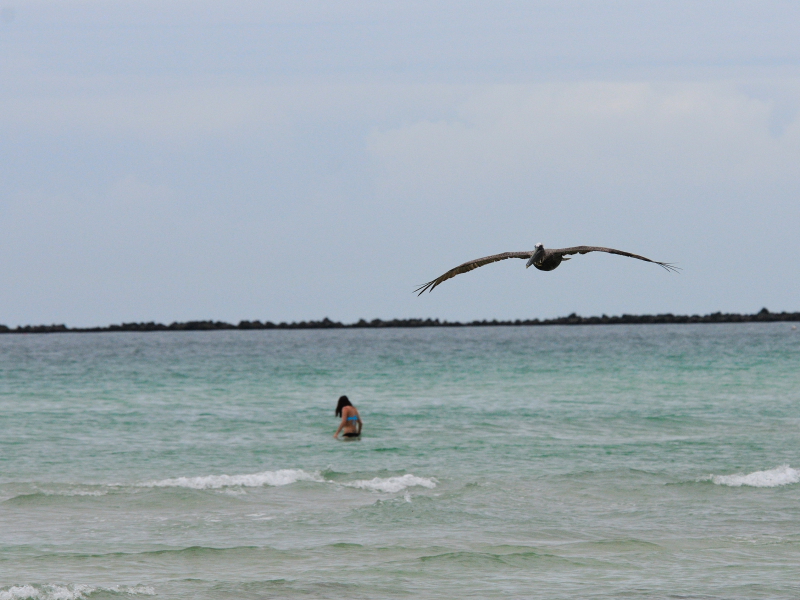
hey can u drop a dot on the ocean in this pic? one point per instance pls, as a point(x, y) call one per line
point(597, 462)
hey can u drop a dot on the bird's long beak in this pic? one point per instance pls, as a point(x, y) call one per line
point(530, 262)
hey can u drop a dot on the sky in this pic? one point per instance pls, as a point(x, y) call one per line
point(175, 160)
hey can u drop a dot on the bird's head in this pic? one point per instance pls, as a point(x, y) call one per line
point(537, 255)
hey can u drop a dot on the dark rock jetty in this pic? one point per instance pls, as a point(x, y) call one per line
point(763, 316)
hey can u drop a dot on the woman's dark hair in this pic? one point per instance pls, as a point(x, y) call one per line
point(343, 401)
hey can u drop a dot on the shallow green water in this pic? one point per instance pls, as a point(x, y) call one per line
point(530, 462)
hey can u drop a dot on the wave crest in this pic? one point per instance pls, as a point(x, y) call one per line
point(783, 475)
point(67, 592)
point(230, 483)
point(270, 478)
point(393, 484)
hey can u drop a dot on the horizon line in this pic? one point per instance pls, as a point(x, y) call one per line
point(764, 315)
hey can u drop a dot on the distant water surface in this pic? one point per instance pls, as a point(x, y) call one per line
point(512, 462)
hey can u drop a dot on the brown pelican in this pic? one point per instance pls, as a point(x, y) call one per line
point(544, 260)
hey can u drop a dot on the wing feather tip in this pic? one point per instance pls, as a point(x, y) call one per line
point(425, 287)
point(670, 267)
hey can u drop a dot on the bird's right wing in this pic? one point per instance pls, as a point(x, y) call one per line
point(587, 249)
point(469, 266)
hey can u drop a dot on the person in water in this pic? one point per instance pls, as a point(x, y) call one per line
point(351, 421)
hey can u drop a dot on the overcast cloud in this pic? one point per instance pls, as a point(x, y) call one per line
point(287, 161)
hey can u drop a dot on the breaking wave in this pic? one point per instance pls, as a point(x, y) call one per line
point(213, 482)
point(393, 484)
point(227, 484)
point(67, 592)
point(783, 475)
point(282, 477)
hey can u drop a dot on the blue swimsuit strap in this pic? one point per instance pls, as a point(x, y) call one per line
point(352, 418)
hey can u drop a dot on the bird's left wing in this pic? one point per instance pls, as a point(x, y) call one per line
point(587, 249)
point(469, 266)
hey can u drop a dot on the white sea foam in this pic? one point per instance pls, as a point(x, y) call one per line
point(67, 592)
point(393, 484)
point(137, 590)
point(270, 478)
point(783, 475)
point(46, 592)
point(287, 477)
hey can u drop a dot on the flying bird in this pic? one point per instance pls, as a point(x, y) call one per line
point(542, 259)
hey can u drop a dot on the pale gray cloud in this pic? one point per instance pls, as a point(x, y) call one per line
point(679, 133)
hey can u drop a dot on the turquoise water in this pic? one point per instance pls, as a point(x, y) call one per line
point(514, 462)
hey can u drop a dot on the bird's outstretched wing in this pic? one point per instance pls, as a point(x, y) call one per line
point(586, 249)
point(469, 265)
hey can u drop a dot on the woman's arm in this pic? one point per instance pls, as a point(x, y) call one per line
point(341, 426)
